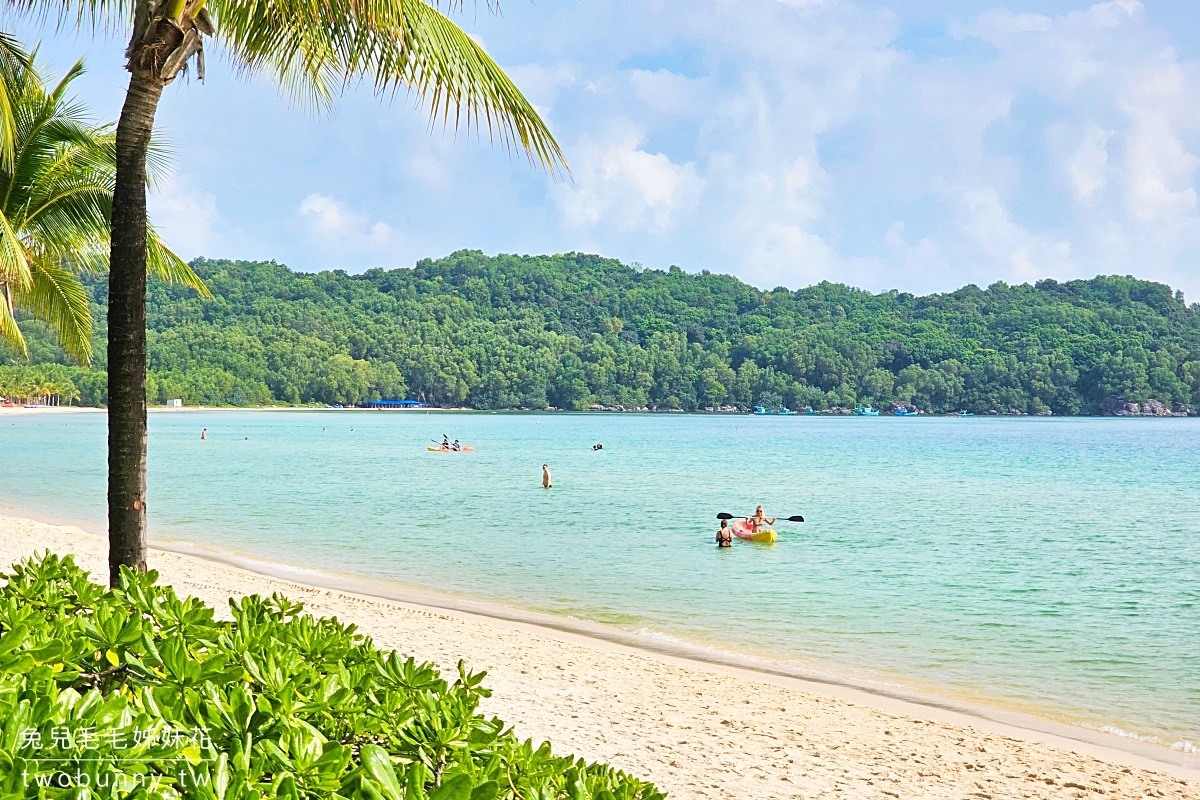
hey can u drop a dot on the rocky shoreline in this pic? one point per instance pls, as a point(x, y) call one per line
point(1112, 406)
point(1116, 406)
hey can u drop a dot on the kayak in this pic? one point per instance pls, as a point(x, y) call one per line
point(449, 449)
point(742, 530)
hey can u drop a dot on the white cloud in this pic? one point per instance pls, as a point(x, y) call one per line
point(1003, 21)
point(784, 141)
point(666, 93)
point(779, 254)
point(186, 217)
point(1114, 13)
point(1000, 244)
point(619, 183)
point(920, 261)
point(1162, 105)
point(824, 151)
point(332, 223)
point(542, 84)
point(1088, 166)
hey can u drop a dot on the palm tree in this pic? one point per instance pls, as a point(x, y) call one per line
point(56, 186)
point(313, 51)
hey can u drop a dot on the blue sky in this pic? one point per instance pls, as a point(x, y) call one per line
point(883, 143)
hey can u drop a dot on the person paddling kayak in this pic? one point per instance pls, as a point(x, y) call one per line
point(759, 521)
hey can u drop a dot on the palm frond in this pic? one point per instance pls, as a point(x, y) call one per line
point(9, 330)
point(316, 50)
point(57, 296)
point(14, 262)
point(55, 207)
point(102, 15)
point(13, 59)
point(162, 263)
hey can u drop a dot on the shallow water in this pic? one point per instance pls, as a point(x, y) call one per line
point(1047, 564)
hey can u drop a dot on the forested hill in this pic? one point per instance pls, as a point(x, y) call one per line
point(575, 330)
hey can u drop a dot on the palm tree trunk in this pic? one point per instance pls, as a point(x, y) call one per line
point(127, 333)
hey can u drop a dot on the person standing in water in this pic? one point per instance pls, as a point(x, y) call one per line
point(725, 535)
point(203, 434)
point(545, 476)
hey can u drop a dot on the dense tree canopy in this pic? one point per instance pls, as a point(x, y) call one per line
point(573, 330)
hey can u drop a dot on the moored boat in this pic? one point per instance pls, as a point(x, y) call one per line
point(865, 411)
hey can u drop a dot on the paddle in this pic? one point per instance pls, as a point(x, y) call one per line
point(796, 518)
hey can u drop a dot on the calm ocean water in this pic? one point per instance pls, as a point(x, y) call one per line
point(1047, 564)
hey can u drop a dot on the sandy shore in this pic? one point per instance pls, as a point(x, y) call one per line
point(698, 730)
point(22, 410)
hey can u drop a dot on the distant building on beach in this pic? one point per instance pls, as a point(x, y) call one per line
point(397, 404)
point(175, 403)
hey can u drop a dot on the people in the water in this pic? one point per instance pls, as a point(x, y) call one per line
point(725, 535)
point(203, 434)
point(546, 476)
point(597, 446)
point(759, 522)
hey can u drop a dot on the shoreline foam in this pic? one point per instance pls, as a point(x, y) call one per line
point(606, 693)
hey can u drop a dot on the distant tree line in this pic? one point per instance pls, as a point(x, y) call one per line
point(575, 330)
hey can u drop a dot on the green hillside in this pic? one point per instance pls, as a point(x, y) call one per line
point(575, 330)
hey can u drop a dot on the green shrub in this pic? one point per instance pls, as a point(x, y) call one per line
point(138, 693)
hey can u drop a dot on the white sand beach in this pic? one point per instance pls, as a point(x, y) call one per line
point(698, 730)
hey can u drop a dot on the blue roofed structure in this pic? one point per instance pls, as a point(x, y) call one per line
point(397, 404)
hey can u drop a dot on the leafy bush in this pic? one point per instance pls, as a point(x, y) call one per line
point(135, 692)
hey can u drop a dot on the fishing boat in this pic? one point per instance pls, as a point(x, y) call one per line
point(904, 412)
point(964, 414)
point(762, 411)
point(744, 530)
point(865, 411)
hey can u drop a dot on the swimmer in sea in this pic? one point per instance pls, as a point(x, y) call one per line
point(545, 476)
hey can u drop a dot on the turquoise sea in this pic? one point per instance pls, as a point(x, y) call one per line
point(1050, 565)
